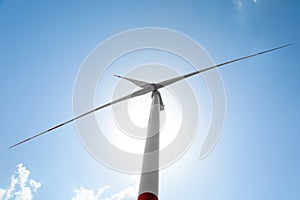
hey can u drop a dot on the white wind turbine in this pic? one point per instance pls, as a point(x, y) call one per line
point(149, 182)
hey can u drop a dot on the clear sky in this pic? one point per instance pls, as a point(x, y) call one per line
point(43, 44)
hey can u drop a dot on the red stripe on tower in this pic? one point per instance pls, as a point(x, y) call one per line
point(147, 196)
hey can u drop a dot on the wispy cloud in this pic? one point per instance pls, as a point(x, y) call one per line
point(242, 8)
point(21, 187)
point(241, 3)
point(83, 193)
point(128, 193)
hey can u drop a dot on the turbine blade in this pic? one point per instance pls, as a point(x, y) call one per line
point(176, 79)
point(134, 94)
point(146, 89)
point(139, 83)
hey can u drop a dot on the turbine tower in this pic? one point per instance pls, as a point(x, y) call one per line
point(149, 181)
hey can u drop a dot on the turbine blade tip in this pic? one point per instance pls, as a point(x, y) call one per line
point(12, 146)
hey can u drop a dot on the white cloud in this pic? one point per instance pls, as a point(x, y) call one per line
point(35, 185)
point(240, 3)
point(242, 9)
point(2, 192)
point(128, 193)
point(86, 194)
point(19, 188)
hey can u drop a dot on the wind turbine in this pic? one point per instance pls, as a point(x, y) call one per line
point(149, 181)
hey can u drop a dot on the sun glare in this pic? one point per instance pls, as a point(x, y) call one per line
point(139, 110)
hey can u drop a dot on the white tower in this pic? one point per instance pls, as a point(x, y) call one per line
point(149, 182)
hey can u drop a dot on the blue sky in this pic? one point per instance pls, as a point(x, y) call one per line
point(43, 44)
